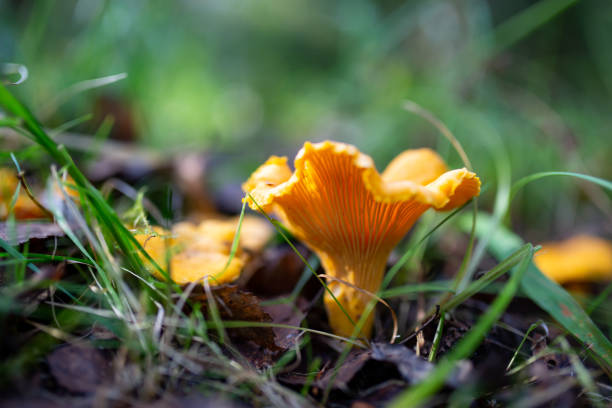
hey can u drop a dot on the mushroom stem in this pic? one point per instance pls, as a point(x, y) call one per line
point(360, 273)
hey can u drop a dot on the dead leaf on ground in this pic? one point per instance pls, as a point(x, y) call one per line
point(291, 315)
point(345, 373)
point(413, 368)
point(99, 332)
point(277, 262)
point(79, 368)
point(37, 293)
point(382, 393)
point(24, 231)
point(236, 304)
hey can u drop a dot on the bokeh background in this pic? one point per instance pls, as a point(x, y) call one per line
point(524, 85)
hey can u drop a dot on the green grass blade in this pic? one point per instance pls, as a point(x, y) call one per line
point(524, 23)
point(488, 278)
point(235, 242)
point(107, 216)
point(415, 108)
point(440, 286)
point(599, 299)
point(520, 346)
point(533, 177)
point(549, 295)
point(17, 255)
point(564, 308)
point(437, 338)
point(421, 392)
point(70, 125)
point(410, 252)
point(494, 144)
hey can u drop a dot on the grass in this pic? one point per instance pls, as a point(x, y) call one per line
point(151, 326)
point(417, 395)
point(126, 303)
point(175, 344)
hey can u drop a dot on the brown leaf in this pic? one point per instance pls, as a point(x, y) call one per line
point(345, 373)
point(236, 304)
point(381, 394)
point(280, 270)
point(99, 332)
point(411, 367)
point(291, 315)
point(414, 368)
point(31, 298)
point(24, 231)
point(79, 368)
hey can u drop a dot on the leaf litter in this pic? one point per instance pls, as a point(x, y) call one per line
point(282, 318)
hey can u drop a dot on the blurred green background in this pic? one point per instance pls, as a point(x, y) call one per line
point(524, 85)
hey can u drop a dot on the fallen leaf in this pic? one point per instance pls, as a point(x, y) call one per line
point(413, 368)
point(382, 393)
point(275, 262)
point(24, 231)
point(291, 315)
point(31, 298)
point(236, 304)
point(79, 368)
point(345, 373)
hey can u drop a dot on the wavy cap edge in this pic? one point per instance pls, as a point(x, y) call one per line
point(450, 190)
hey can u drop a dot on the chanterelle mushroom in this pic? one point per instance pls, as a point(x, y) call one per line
point(198, 252)
point(351, 216)
point(580, 259)
point(24, 208)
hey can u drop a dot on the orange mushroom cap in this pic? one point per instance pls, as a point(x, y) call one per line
point(580, 259)
point(199, 251)
point(24, 207)
point(351, 216)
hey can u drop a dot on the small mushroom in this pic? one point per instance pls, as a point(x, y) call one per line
point(24, 208)
point(351, 216)
point(199, 251)
point(577, 260)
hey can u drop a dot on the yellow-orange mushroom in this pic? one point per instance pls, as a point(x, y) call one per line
point(580, 259)
point(24, 208)
point(196, 252)
point(351, 216)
